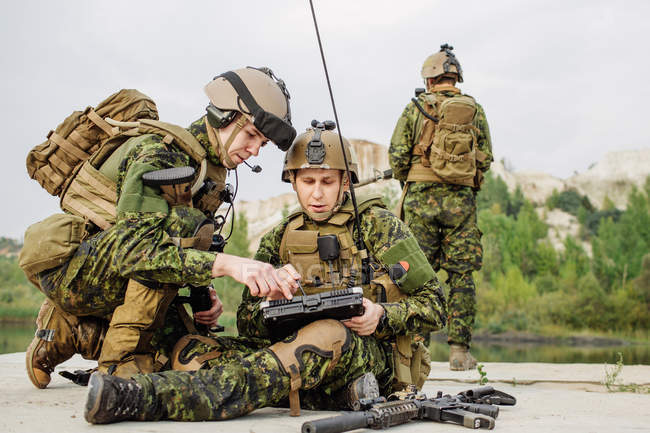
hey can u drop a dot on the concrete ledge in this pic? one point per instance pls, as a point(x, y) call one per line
point(528, 373)
point(561, 397)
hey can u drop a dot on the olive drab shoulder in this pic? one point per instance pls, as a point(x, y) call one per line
point(299, 246)
point(448, 140)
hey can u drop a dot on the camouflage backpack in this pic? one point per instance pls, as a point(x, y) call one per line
point(448, 142)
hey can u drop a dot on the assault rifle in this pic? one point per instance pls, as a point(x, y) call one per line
point(473, 408)
point(377, 175)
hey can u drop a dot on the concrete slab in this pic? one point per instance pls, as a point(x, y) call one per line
point(550, 397)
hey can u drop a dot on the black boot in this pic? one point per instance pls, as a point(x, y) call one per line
point(362, 388)
point(112, 399)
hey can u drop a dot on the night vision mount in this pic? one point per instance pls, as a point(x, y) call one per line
point(316, 149)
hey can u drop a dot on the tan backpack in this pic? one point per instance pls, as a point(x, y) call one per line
point(79, 161)
point(53, 163)
point(449, 146)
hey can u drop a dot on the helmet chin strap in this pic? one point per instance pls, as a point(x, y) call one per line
point(219, 147)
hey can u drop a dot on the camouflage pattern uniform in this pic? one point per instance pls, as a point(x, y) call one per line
point(247, 375)
point(443, 217)
point(139, 246)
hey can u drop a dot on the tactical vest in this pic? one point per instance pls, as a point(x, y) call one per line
point(299, 247)
point(447, 148)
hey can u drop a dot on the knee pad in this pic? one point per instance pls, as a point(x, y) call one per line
point(192, 352)
point(327, 338)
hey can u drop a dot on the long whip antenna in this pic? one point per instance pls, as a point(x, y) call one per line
point(360, 244)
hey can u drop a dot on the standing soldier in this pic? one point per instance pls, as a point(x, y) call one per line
point(440, 150)
point(327, 364)
point(162, 185)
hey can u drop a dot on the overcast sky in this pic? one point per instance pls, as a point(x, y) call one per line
point(562, 82)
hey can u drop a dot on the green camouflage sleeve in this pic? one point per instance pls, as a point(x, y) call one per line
point(424, 309)
point(145, 250)
point(402, 142)
point(484, 139)
point(249, 315)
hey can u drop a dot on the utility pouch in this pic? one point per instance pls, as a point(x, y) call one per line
point(452, 154)
point(49, 243)
point(412, 363)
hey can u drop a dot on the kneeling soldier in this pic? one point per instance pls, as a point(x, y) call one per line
point(327, 363)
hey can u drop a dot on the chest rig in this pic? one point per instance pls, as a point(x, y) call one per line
point(328, 267)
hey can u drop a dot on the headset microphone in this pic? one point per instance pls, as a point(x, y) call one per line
point(255, 168)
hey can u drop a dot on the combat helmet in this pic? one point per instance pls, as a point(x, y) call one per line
point(259, 95)
point(442, 62)
point(319, 147)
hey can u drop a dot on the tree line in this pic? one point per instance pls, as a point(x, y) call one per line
point(525, 284)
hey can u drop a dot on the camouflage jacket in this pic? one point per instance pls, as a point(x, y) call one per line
point(422, 311)
point(407, 134)
point(140, 241)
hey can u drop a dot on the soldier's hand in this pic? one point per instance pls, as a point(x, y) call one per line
point(288, 276)
point(209, 317)
point(261, 278)
point(366, 323)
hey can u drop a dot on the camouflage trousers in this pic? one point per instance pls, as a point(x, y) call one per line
point(247, 376)
point(82, 299)
point(443, 219)
point(91, 282)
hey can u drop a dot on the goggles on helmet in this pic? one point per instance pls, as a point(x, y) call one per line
point(279, 131)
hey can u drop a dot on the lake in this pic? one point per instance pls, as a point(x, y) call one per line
point(16, 338)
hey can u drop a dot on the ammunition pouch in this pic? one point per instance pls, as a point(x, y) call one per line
point(412, 363)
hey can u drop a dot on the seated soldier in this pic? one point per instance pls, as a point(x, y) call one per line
point(327, 363)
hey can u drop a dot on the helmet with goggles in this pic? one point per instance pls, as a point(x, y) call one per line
point(259, 95)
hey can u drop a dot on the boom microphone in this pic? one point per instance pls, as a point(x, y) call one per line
point(255, 168)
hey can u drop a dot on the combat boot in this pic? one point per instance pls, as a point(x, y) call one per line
point(60, 335)
point(363, 387)
point(460, 359)
point(113, 399)
point(127, 347)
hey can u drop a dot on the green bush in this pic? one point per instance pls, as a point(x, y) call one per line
point(569, 201)
point(525, 283)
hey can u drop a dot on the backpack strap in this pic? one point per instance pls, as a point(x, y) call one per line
point(174, 133)
point(101, 123)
